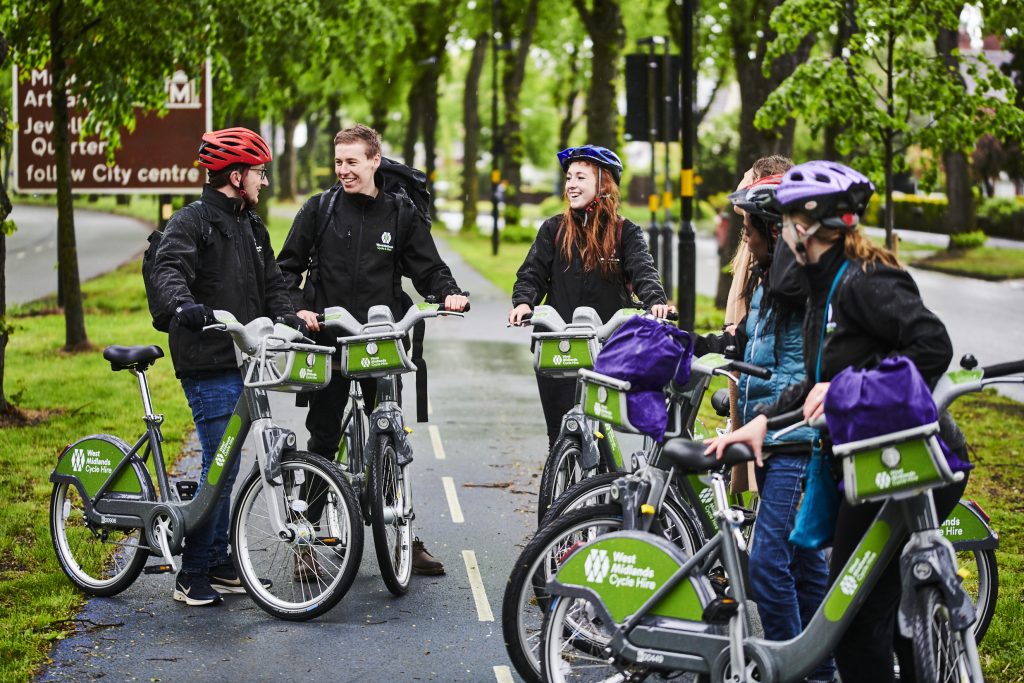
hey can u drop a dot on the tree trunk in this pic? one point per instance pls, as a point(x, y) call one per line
point(288, 164)
point(5, 211)
point(512, 85)
point(568, 103)
point(960, 212)
point(309, 157)
point(414, 104)
point(471, 132)
point(75, 338)
point(754, 90)
point(606, 30)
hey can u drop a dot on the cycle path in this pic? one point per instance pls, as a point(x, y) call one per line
point(485, 438)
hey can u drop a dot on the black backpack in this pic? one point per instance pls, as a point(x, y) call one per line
point(162, 317)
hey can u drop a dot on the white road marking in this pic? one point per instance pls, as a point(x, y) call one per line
point(483, 608)
point(435, 440)
point(453, 500)
point(502, 674)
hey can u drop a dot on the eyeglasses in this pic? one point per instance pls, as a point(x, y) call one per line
point(264, 173)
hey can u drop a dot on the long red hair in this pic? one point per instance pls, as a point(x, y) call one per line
point(598, 239)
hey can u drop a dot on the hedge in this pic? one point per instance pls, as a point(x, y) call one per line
point(997, 217)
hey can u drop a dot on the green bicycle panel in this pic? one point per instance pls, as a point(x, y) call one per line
point(963, 524)
point(606, 404)
point(92, 461)
point(915, 468)
point(856, 570)
point(374, 356)
point(309, 368)
point(227, 442)
point(625, 572)
point(564, 355)
point(963, 376)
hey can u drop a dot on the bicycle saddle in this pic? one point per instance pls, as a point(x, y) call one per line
point(128, 357)
point(688, 455)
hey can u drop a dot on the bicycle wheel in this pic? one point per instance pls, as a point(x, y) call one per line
point(390, 521)
point(982, 584)
point(100, 561)
point(595, 490)
point(940, 654)
point(561, 470)
point(571, 646)
point(526, 598)
point(309, 573)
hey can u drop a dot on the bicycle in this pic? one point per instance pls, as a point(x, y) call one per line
point(376, 449)
point(630, 604)
point(107, 518)
point(681, 516)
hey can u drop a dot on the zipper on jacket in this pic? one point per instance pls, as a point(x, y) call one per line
point(357, 256)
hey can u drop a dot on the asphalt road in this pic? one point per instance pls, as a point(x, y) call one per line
point(104, 240)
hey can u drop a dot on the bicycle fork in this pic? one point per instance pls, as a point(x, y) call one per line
point(271, 442)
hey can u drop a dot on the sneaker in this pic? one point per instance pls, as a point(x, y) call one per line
point(195, 590)
point(423, 562)
point(308, 568)
point(224, 579)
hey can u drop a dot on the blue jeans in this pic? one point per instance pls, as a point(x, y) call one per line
point(788, 583)
point(212, 400)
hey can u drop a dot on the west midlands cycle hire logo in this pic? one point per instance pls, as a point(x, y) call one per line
point(385, 242)
point(596, 565)
point(77, 460)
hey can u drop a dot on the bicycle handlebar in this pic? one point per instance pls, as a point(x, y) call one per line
point(1003, 369)
point(752, 370)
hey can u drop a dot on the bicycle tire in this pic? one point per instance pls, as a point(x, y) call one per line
point(392, 528)
point(561, 471)
point(940, 654)
point(100, 562)
point(982, 586)
point(310, 574)
point(526, 587)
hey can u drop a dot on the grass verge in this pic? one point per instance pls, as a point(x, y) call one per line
point(986, 263)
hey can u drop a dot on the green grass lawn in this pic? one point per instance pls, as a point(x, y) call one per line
point(75, 395)
point(987, 263)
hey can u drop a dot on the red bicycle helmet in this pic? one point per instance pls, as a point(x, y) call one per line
point(223, 148)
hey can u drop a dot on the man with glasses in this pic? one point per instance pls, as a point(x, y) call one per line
point(215, 254)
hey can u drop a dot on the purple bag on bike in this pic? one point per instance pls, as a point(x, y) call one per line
point(890, 397)
point(648, 355)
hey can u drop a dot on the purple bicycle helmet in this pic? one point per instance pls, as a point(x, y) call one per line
point(603, 157)
point(831, 193)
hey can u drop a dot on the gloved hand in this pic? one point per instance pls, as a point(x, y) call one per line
point(193, 316)
point(293, 321)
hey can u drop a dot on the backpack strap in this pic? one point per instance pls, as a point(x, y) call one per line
point(324, 218)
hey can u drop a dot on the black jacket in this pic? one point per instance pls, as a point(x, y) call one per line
point(876, 312)
point(233, 269)
point(566, 286)
point(364, 251)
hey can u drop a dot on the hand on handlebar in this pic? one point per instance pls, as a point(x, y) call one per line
point(456, 303)
point(662, 311)
point(193, 316)
point(752, 434)
point(814, 404)
point(519, 313)
point(311, 319)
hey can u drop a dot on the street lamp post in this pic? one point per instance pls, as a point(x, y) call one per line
point(652, 135)
point(687, 290)
point(666, 200)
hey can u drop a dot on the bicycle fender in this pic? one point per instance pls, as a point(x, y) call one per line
point(590, 456)
point(967, 529)
point(390, 421)
point(932, 564)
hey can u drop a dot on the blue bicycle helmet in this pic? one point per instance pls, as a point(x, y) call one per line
point(603, 157)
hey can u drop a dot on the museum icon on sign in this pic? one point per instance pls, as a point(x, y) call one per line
point(183, 92)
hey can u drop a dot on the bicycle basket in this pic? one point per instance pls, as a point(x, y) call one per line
point(289, 366)
point(604, 398)
point(557, 354)
point(374, 356)
point(897, 465)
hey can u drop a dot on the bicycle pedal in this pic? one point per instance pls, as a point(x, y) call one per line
point(186, 489)
point(721, 610)
point(719, 582)
point(158, 569)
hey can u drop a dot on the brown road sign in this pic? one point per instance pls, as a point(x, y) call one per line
point(158, 157)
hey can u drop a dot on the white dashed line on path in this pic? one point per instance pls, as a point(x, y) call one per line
point(453, 500)
point(502, 674)
point(435, 441)
point(483, 608)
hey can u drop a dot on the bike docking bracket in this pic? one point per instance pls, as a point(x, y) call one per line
point(270, 440)
point(927, 560)
point(577, 424)
point(276, 440)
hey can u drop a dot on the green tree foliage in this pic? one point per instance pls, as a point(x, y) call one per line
point(97, 52)
point(888, 89)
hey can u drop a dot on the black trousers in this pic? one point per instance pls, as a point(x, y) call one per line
point(865, 653)
point(557, 397)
